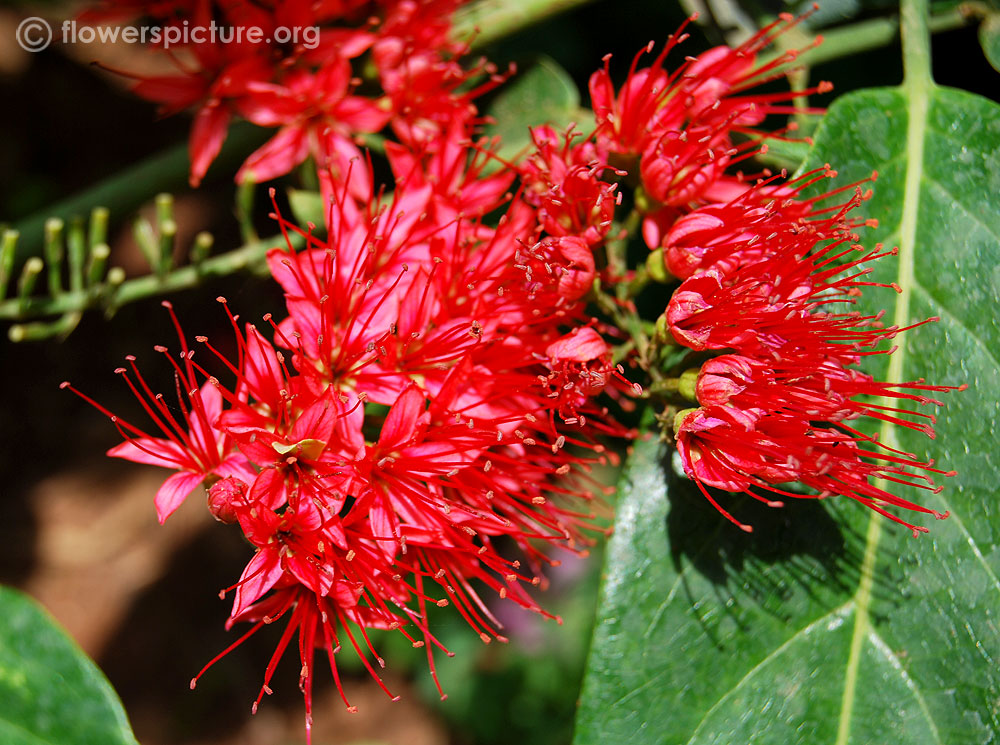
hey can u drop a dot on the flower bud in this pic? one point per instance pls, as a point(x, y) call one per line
point(580, 345)
point(688, 382)
point(578, 277)
point(723, 377)
point(687, 242)
point(663, 335)
point(222, 497)
point(681, 416)
point(657, 268)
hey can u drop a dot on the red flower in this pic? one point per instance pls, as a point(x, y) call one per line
point(727, 235)
point(324, 578)
point(563, 180)
point(706, 90)
point(456, 170)
point(753, 452)
point(580, 365)
point(783, 304)
point(196, 446)
point(427, 406)
point(304, 85)
point(316, 116)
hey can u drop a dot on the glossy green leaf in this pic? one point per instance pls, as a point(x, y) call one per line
point(544, 93)
point(50, 692)
point(830, 625)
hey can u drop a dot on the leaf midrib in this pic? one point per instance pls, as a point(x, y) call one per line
point(917, 91)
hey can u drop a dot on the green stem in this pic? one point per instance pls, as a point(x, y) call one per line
point(114, 295)
point(873, 34)
point(629, 321)
point(245, 197)
point(615, 251)
point(621, 352)
point(916, 43)
point(128, 189)
point(492, 20)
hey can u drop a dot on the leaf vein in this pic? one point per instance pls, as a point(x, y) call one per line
point(956, 202)
point(840, 610)
point(880, 645)
point(957, 320)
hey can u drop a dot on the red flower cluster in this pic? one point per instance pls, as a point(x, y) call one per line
point(429, 400)
point(319, 72)
point(676, 130)
point(430, 392)
point(770, 281)
point(769, 278)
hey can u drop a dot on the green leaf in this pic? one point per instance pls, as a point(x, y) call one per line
point(542, 94)
point(830, 624)
point(50, 691)
point(307, 207)
point(989, 39)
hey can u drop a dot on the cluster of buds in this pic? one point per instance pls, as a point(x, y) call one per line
point(770, 281)
point(435, 394)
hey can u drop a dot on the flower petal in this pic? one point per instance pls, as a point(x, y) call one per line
point(259, 576)
point(174, 491)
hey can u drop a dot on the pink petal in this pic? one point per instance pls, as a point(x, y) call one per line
point(259, 576)
point(153, 452)
point(340, 160)
point(277, 156)
point(207, 136)
point(332, 80)
point(384, 527)
point(347, 594)
point(174, 491)
point(237, 466)
point(175, 92)
point(262, 370)
point(268, 489)
point(211, 399)
point(317, 422)
point(268, 105)
point(401, 421)
point(361, 114)
point(349, 43)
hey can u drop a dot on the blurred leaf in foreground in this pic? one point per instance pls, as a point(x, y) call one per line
point(50, 691)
